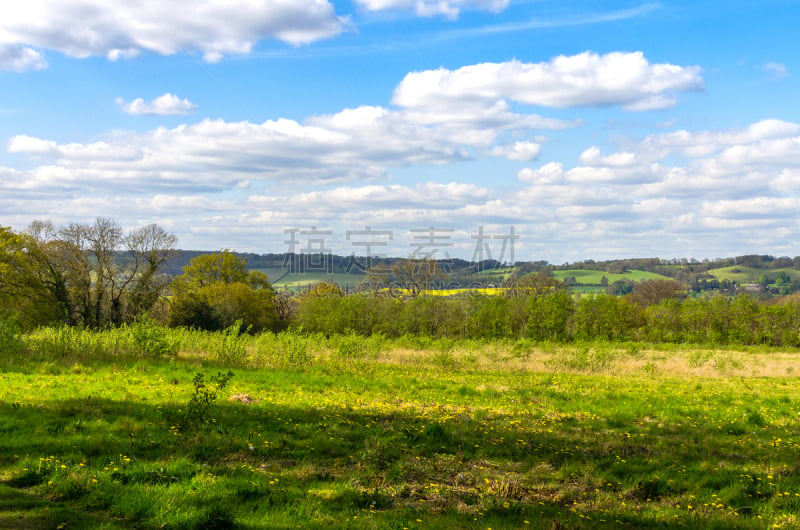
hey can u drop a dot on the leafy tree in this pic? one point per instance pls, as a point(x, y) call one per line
point(21, 290)
point(217, 290)
point(90, 275)
point(651, 292)
point(620, 287)
point(414, 275)
point(219, 267)
point(536, 284)
point(549, 316)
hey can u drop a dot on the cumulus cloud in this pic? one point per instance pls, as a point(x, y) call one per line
point(16, 58)
point(165, 105)
point(518, 151)
point(582, 80)
point(355, 144)
point(120, 28)
point(240, 184)
point(361, 143)
point(428, 8)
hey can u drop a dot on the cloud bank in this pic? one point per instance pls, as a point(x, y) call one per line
point(582, 80)
point(703, 193)
point(120, 28)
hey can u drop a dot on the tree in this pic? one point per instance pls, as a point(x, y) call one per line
point(538, 284)
point(651, 292)
point(21, 290)
point(215, 290)
point(96, 275)
point(413, 275)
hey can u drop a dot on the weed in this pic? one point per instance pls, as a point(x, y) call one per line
point(231, 349)
point(203, 397)
point(582, 358)
point(698, 358)
point(151, 340)
point(351, 347)
point(725, 364)
point(650, 368)
point(445, 359)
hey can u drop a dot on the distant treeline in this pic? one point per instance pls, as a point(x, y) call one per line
point(690, 271)
point(561, 317)
point(98, 276)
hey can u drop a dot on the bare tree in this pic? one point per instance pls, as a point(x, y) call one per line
point(97, 274)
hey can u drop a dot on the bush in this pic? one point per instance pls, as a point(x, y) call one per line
point(287, 349)
point(10, 336)
point(231, 349)
point(148, 339)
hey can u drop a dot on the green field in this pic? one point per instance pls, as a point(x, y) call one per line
point(743, 275)
point(352, 432)
point(591, 277)
point(300, 282)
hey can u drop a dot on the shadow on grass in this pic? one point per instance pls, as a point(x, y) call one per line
point(310, 466)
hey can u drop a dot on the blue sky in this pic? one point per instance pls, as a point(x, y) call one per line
point(594, 129)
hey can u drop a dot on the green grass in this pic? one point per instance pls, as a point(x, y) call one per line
point(591, 277)
point(349, 432)
point(749, 274)
point(299, 282)
point(272, 274)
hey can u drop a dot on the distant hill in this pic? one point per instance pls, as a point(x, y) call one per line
point(295, 271)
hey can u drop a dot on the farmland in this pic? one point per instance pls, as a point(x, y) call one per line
point(590, 277)
point(414, 432)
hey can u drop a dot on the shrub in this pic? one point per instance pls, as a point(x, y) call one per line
point(231, 349)
point(10, 336)
point(148, 339)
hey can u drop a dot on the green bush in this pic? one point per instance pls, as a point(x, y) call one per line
point(287, 349)
point(148, 339)
point(10, 336)
point(231, 350)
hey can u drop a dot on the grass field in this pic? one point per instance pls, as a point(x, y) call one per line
point(349, 432)
point(591, 277)
point(749, 274)
point(300, 282)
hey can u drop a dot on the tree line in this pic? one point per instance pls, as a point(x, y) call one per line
point(98, 275)
point(656, 311)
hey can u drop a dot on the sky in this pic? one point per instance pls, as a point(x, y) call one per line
point(507, 129)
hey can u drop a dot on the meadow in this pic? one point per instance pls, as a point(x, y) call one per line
point(595, 277)
point(143, 427)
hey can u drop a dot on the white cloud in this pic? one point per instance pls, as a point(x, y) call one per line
point(121, 28)
point(429, 8)
point(587, 79)
point(16, 58)
point(775, 70)
point(165, 105)
point(518, 151)
point(354, 144)
point(32, 146)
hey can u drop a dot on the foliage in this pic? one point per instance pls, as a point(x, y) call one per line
point(149, 339)
point(651, 292)
point(217, 290)
point(231, 350)
point(289, 349)
point(96, 275)
point(10, 335)
point(215, 268)
point(203, 397)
